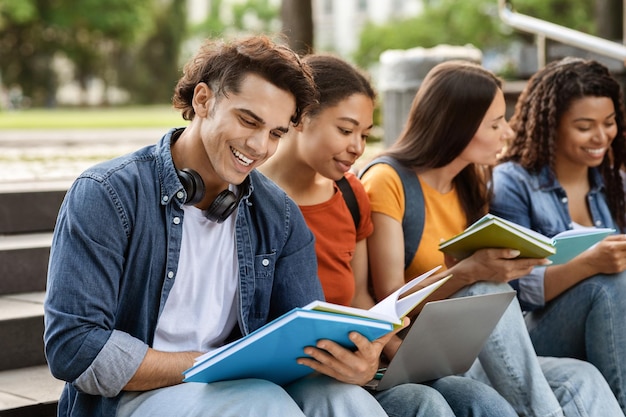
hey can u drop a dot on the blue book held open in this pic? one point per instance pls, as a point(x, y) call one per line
point(572, 243)
point(271, 351)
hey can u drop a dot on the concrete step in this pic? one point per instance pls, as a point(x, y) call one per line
point(24, 262)
point(21, 327)
point(29, 392)
point(30, 207)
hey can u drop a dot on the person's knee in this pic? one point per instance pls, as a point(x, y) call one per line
point(585, 373)
point(323, 396)
point(470, 397)
point(261, 390)
point(266, 398)
point(419, 394)
point(612, 286)
point(226, 398)
point(571, 372)
point(414, 400)
point(329, 389)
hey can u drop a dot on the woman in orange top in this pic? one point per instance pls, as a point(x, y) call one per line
point(310, 158)
point(316, 153)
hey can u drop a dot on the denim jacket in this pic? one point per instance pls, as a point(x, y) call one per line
point(114, 259)
point(538, 201)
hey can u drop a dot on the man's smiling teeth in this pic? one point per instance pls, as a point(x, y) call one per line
point(241, 157)
point(599, 151)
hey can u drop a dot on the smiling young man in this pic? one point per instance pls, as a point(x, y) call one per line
point(180, 247)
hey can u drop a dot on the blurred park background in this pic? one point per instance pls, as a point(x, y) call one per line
point(87, 80)
point(96, 64)
point(67, 53)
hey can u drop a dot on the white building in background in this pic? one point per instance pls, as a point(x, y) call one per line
point(338, 23)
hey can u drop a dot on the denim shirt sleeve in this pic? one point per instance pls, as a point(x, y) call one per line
point(114, 366)
point(86, 260)
point(511, 197)
point(530, 289)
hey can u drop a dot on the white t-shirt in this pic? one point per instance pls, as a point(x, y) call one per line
point(200, 311)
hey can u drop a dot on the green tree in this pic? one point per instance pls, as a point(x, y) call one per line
point(88, 32)
point(96, 31)
point(24, 52)
point(464, 22)
point(213, 25)
point(149, 70)
point(250, 16)
point(262, 14)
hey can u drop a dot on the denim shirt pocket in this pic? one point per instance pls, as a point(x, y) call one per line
point(264, 267)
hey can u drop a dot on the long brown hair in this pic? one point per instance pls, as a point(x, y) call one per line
point(446, 113)
point(547, 96)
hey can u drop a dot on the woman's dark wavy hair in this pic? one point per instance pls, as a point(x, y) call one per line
point(446, 113)
point(224, 64)
point(336, 80)
point(547, 96)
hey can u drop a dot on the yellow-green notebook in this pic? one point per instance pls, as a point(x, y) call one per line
point(495, 232)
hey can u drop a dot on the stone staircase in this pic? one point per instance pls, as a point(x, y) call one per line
point(27, 215)
point(37, 168)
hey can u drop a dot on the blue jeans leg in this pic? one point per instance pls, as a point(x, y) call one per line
point(321, 396)
point(587, 322)
point(509, 361)
point(244, 397)
point(471, 398)
point(413, 400)
point(580, 388)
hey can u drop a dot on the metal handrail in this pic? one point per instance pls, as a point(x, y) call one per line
point(543, 30)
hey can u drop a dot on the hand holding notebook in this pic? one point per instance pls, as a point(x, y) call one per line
point(491, 231)
point(271, 352)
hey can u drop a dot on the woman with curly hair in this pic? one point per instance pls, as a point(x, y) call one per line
point(562, 171)
point(454, 132)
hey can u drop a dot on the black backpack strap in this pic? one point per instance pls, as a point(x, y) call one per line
point(350, 199)
point(414, 212)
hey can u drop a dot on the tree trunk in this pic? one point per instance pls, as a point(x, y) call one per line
point(608, 19)
point(297, 17)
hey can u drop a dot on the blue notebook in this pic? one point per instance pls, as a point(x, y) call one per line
point(572, 243)
point(271, 351)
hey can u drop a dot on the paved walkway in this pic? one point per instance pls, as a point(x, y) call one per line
point(60, 155)
point(29, 157)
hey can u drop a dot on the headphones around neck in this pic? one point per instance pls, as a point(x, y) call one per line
point(224, 204)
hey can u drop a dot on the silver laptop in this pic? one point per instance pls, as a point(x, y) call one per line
point(445, 339)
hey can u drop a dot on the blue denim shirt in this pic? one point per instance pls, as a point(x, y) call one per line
point(114, 260)
point(538, 201)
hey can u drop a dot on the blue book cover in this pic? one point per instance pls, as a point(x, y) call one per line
point(572, 243)
point(271, 351)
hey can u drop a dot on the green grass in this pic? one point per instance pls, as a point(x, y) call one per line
point(123, 117)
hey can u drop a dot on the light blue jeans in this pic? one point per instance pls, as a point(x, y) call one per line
point(318, 396)
point(413, 400)
point(587, 322)
point(537, 387)
point(449, 396)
